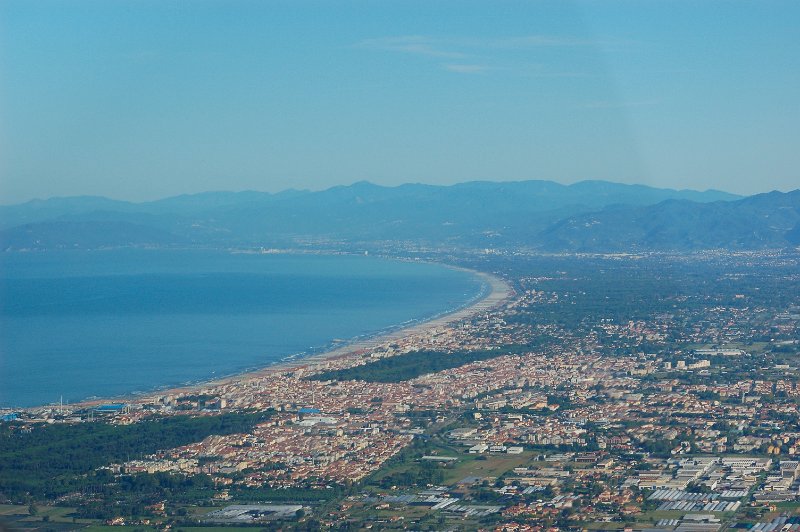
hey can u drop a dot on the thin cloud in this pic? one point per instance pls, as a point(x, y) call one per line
point(620, 104)
point(532, 41)
point(464, 47)
point(412, 44)
point(467, 69)
point(463, 55)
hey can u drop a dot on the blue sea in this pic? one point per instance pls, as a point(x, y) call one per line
point(83, 324)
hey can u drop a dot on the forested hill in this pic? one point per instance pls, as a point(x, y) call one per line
point(757, 222)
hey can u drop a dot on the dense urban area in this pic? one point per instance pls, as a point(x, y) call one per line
point(606, 392)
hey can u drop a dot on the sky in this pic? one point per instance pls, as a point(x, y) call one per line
point(140, 99)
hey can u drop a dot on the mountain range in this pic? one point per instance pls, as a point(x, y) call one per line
point(589, 216)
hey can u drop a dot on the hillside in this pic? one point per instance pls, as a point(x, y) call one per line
point(762, 221)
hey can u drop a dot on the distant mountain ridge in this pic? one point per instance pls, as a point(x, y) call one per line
point(585, 216)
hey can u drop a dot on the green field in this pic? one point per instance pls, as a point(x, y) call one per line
point(494, 466)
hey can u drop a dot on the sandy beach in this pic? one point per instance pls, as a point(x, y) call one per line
point(498, 292)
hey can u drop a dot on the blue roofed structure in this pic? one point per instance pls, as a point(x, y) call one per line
point(113, 407)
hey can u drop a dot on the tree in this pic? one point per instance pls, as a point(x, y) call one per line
point(32, 509)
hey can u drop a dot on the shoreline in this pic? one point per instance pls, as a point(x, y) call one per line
point(498, 292)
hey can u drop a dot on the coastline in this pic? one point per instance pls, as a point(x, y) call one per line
point(498, 292)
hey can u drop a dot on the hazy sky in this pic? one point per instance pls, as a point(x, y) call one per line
point(137, 99)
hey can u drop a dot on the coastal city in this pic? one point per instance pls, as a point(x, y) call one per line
point(609, 392)
point(399, 265)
